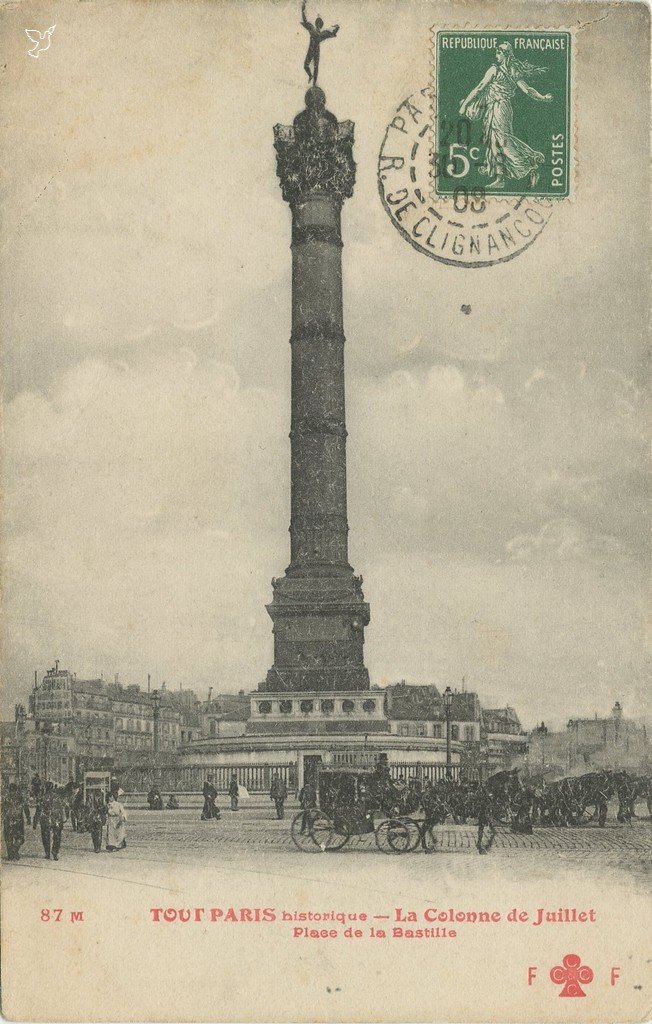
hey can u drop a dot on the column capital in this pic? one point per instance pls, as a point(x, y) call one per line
point(314, 155)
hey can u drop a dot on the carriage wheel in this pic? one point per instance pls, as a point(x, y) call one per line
point(303, 840)
point(406, 837)
point(381, 835)
point(397, 835)
point(324, 835)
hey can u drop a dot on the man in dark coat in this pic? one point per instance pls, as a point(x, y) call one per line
point(15, 810)
point(486, 819)
point(278, 793)
point(210, 796)
point(233, 792)
point(36, 787)
point(96, 819)
point(77, 810)
point(49, 812)
point(308, 801)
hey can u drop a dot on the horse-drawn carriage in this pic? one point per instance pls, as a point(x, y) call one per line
point(360, 803)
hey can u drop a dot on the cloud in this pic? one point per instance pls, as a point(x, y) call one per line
point(566, 538)
point(129, 490)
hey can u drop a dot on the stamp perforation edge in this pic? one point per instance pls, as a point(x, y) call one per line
point(572, 119)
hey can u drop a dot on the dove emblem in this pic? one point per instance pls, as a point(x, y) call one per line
point(41, 40)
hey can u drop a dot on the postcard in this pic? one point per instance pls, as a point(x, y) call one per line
point(324, 522)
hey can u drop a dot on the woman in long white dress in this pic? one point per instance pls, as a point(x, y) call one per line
point(116, 831)
point(491, 103)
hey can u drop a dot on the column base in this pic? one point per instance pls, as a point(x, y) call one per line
point(318, 634)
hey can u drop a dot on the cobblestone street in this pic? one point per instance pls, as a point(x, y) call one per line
point(163, 834)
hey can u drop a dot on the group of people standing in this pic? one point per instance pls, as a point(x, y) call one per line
point(54, 805)
point(278, 793)
point(210, 809)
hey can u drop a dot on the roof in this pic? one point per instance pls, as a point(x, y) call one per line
point(497, 717)
point(229, 707)
point(425, 703)
point(88, 686)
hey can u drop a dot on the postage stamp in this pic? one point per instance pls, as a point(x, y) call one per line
point(469, 228)
point(502, 112)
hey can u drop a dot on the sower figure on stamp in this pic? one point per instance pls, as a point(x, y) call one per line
point(317, 35)
point(49, 813)
point(491, 103)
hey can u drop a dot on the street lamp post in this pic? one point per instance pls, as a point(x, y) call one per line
point(156, 698)
point(448, 700)
point(20, 739)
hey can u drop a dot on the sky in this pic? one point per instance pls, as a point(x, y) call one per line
point(497, 460)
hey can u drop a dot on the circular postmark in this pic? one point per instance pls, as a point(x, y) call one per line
point(467, 229)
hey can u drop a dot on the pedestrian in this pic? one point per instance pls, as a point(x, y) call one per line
point(210, 809)
point(308, 801)
point(486, 819)
point(154, 799)
point(15, 811)
point(172, 804)
point(49, 813)
point(96, 820)
point(233, 792)
point(278, 793)
point(77, 811)
point(522, 806)
point(116, 831)
point(36, 787)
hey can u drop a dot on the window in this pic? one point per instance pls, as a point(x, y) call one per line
point(468, 732)
point(455, 732)
point(403, 729)
point(421, 728)
point(328, 707)
point(264, 707)
point(285, 707)
point(307, 706)
point(369, 706)
point(347, 706)
point(436, 731)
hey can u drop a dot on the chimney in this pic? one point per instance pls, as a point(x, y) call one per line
point(149, 682)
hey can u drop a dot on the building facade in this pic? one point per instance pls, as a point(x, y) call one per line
point(504, 741)
point(78, 725)
point(589, 743)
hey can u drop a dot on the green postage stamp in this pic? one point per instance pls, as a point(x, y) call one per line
point(502, 113)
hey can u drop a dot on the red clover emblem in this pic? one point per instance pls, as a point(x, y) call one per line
point(572, 974)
